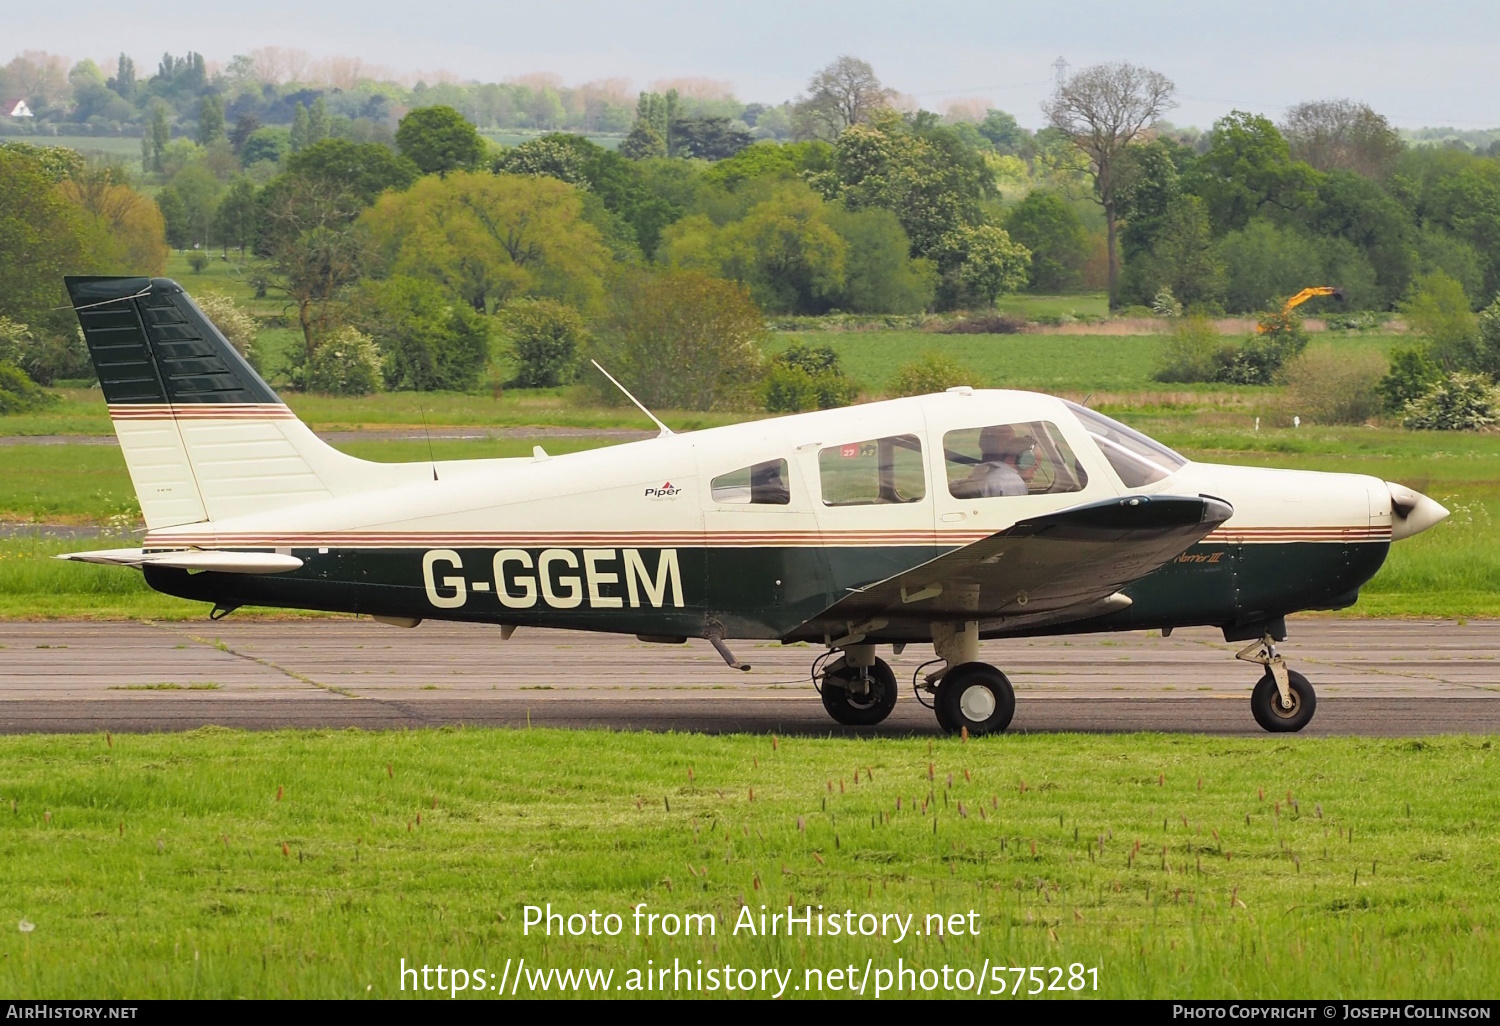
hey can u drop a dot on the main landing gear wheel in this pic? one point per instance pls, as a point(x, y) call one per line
point(976, 696)
point(857, 702)
point(1265, 703)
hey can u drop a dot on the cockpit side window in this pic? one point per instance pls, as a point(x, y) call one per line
point(1137, 459)
point(876, 471)
point(762, 484)
point(1011, 459)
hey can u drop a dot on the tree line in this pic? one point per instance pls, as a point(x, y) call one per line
point(869, 210)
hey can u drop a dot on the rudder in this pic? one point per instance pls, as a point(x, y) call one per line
point(204, 437)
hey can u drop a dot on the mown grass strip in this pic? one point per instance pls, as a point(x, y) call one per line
point(220, 863)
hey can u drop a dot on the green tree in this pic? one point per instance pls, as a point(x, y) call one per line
point(124, 81)
point(1102, 109)
point(1457, 402)
point(1438, 310)
point(363, 169)
point(880, 274)
point(1182, 258)
point(1005, 133)
point(1264, 261)
point(489, 238)
point(709, 138)
point(770, 160)
point(1412, 375)
point(317, 122)
point(644, 141)
point(784, 250)
point(1462, 194)
point(19, 394)
point(301, 129)
point(1249, 171)
point(1046, 225)
point(543, 338)
point(347, 363)
point(552, 156)
point(121, 228)
point(930, 372)
point(439, 141)
point(210, 119)
point(429, 339)
point(806, 378)
point(921, 173)
point(160, 134)
point(40, 238)
point(307, 231)
point(174, 218)
point(1487, 341)
point(235, 219)
point(265, 144)
point(978, 263)
point(199, 191)
point(1348, 206)
point(637, 211)
point(680, 339)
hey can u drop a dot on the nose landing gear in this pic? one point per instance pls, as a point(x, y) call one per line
point(1283, 700)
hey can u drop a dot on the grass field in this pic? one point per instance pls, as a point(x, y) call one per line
point(1072, 364)
point(225, 864)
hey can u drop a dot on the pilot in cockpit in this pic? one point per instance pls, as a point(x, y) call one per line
point(1007, 464)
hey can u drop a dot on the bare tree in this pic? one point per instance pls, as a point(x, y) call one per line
point(844, 93)
point(1341, 134)
point(1103, 108)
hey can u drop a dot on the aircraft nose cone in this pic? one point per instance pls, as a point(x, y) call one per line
point(1412, 512)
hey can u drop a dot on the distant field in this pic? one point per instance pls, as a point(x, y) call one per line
point(126, 146)
point(1077, 364)
point(225, 864)
point(504, 138)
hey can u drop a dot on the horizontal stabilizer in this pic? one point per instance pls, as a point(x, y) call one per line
point(192, 559)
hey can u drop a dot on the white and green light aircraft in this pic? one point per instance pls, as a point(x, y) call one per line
point(942, 519)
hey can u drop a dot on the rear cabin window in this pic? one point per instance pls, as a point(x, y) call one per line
point(764, 484)
point(1011, 459)
point(877, 471)
point(1137, 459)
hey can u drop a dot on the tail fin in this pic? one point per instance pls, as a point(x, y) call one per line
point(204, 437)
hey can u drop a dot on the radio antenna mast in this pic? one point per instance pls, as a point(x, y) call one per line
point(665, 431)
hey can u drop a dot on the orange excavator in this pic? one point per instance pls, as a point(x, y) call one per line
point(1302, 297)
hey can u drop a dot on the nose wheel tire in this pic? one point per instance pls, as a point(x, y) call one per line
point(975, 696)
point(857, 703)
point(1265, 703)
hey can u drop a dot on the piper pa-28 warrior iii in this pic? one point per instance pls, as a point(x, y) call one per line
point(944, 519)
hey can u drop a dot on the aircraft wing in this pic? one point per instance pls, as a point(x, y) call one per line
point(1061, 566)
point(191, 559)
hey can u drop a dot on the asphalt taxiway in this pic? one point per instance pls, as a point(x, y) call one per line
point(1380, 678)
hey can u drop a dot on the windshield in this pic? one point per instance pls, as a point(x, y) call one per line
point(1137, 459)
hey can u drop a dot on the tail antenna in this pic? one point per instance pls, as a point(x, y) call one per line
point(665, 431)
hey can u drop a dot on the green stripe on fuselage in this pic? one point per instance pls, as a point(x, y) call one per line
point(756, 592)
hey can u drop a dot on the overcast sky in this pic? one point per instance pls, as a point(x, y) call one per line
point(1419, 63)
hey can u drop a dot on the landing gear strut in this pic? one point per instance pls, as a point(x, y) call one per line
point(968, 694)
point(1283, 700)
point(858, 695)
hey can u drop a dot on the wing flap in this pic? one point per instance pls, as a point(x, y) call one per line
point(192, 559)
point(1044, 569)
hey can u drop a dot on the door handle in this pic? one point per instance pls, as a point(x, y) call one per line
point(952, 518)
